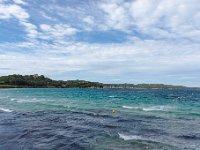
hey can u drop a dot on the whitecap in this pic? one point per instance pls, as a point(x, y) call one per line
point(129, 137)
point(27, 100)
point(5, 110)
point(111, 96)
point(21, 101)
point(12, 99)
point(128, 107)
point(157, 108)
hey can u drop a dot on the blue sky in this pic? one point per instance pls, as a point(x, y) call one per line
point(110, 41)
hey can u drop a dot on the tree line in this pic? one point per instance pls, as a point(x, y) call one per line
point(40, 81)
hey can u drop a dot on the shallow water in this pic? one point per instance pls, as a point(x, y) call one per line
point(44, 119)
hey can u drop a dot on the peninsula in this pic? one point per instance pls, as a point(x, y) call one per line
point(40, 81)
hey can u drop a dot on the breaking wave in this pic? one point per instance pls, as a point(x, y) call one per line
point(5, 109)
point(127, 107)
point(130, 137)
point(157, 108)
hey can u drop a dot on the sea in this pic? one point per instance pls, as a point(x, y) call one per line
point(99, 119)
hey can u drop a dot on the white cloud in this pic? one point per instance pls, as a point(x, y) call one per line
point(56, 31)
point(8, 11)
point(160, 19)
point(19, 2)
point(117, 16)
point(45, 27)
point(30, 28)
point(88, 20)
point(48, 17)
point(114, 60)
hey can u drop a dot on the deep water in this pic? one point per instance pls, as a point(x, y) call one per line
point(76, 119)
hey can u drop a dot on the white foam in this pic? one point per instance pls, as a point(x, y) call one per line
point(128, 107)
point(129, 137)
point(111, 96)
point(21, 101)
point(157, 108)
point(12, 99)
point(5, 110)
point(151, 108)
point(27, 100)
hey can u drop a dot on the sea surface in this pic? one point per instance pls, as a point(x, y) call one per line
point(82, 119)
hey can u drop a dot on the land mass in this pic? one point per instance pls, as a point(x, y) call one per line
point(40, 81)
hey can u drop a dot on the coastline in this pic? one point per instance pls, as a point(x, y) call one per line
point(40, 81)
point(28, 87)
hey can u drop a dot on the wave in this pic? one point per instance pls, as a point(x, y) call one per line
point(111, 96)
point(24, 101)
point(150, 108)
point(157, 108)
point(5, 110)
point(12, 99)
point(128, 107)
point(152, 142)
point(130, 137)
point(33, 100)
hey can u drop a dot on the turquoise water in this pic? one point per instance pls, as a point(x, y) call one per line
point(83, 119)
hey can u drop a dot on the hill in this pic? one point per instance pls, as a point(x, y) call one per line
point(40, 81)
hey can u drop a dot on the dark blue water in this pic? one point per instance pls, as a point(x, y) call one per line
point(49, 119)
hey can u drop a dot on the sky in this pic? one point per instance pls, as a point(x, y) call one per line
point(109, 41)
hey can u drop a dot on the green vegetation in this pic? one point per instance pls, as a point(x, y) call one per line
point(40, 81)
point(36, 81)
point(144, 86)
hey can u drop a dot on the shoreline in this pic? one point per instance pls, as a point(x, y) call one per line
point(15, 87)
point(40, 81)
